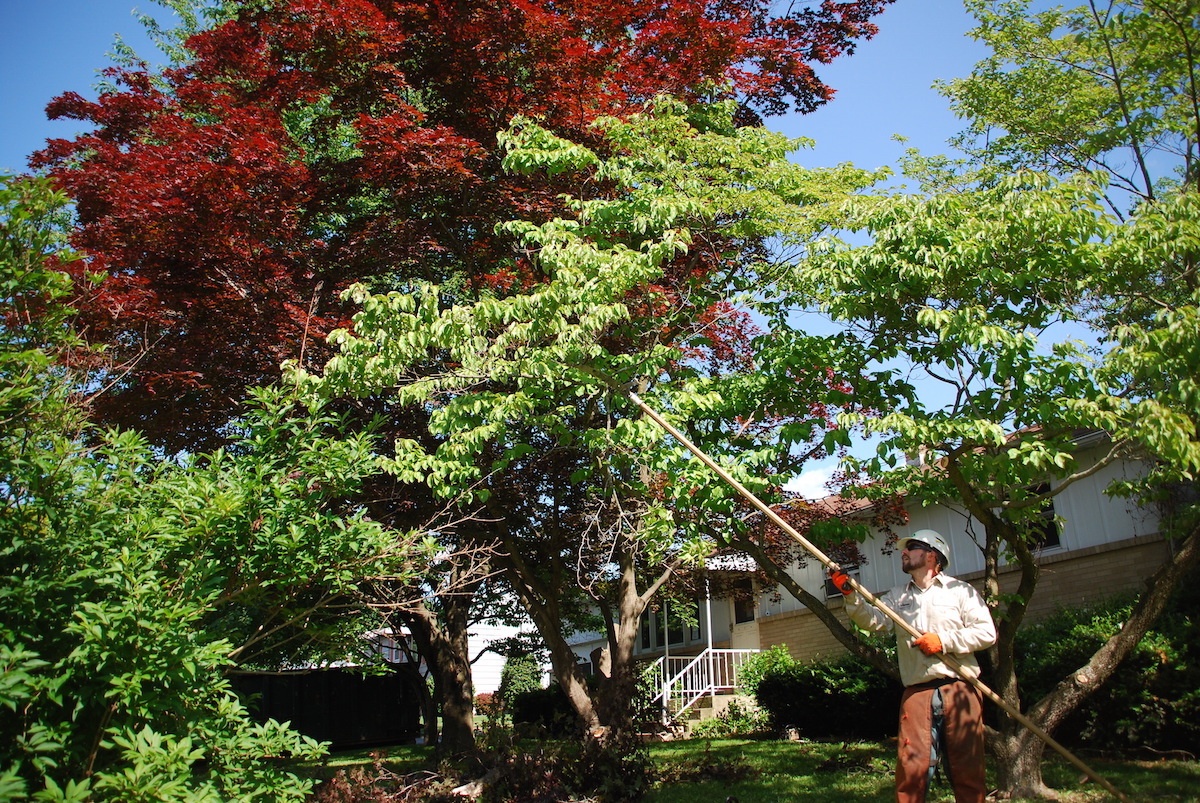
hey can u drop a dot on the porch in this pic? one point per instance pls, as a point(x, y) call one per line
point(682, 682)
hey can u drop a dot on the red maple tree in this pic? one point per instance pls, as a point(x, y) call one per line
point(311, 143)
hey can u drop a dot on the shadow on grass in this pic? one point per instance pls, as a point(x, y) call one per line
point(762, 771)
point(770, 770)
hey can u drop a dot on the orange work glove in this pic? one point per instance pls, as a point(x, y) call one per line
point(842, 581)
point(930, 644)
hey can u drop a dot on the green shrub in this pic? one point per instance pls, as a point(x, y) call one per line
point(131, 584)
point(751, 673)
point(1153, 699)
point(520, 674)
point(738, 719)
point(546, 711)
point(841, 698)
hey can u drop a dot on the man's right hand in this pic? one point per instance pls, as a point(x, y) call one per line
point(842, 581)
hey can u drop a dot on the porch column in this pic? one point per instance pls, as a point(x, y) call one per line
point(712, 678)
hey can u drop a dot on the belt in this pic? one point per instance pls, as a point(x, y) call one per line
point(935, 684)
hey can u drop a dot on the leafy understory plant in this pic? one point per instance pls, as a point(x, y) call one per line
point(132, 585)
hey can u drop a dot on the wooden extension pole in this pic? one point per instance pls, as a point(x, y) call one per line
point(871, 598)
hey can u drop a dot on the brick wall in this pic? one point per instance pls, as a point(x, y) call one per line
point(1067, 579)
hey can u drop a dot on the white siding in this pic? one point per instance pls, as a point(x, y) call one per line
point(485, 672)
point(1091, 517)
point(1088, 517)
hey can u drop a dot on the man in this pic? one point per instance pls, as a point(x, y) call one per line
point(941, 715)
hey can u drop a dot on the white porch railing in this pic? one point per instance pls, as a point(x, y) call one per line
point(684, 680)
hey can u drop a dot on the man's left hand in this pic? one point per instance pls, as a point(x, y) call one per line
point(930, 644)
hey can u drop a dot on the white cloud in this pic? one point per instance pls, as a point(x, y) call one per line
point(813, 483)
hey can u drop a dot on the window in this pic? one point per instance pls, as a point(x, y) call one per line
point(656, 629)
point(674, 631)
point(744, 602)
point(1045, 532)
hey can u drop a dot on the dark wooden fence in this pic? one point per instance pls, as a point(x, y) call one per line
point(336, 705)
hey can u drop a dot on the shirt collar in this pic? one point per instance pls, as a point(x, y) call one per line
point(941, 579)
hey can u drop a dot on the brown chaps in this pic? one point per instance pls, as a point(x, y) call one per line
point(941, 723)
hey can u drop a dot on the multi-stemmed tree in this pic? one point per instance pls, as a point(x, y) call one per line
point(527, 393)
point(1038, 307)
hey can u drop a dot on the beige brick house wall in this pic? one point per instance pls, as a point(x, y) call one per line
point(1067, 579)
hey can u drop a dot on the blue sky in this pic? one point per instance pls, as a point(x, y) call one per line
point(54, 46)
point(50, 47)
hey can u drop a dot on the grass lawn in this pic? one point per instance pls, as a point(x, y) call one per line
point(771, 771)
point(861, 772)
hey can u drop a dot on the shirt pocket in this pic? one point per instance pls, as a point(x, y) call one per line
point(943, 614)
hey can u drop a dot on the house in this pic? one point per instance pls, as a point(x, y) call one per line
point(1095, 546)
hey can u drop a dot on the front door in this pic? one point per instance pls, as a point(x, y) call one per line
point(744, 635)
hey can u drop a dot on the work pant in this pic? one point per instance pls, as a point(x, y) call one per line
point(957, 741)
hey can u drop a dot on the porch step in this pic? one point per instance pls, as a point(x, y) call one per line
point(690, 683)
point(710, 707)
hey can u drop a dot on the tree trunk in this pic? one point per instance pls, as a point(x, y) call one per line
point(616, 704)
point(544, 612)
point(1020, 771)
point(413, 679)
point(449, 661)
point(1019, 764)
point(458, 688)
point(420, 628)
point(571, 680)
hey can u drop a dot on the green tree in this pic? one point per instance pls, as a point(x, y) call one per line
point(1038, 306)
point(969, 289)
point(1108, 87)
point(133, 586)
point(526, 392)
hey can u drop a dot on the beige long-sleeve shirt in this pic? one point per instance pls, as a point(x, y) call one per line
point(949, 607)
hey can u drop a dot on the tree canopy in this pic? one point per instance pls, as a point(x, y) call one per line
point(526, 393)
point(302, 146)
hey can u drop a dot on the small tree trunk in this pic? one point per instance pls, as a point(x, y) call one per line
point(444, 646)
point(458, 687)
point(420, 689)
point(572, 682)
point(458, 710)
point(541, 603)
point(1019, 764)
point(616, 704)
point(616, 701)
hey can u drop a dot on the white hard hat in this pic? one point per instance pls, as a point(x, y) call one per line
point(930, 537)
